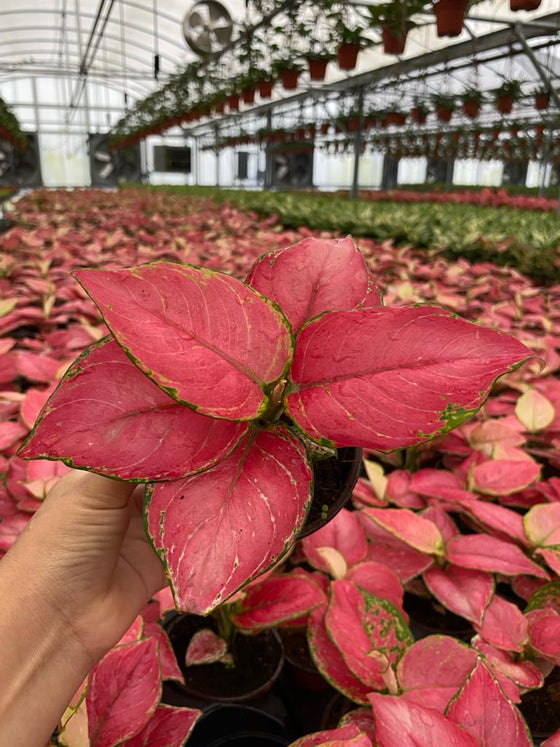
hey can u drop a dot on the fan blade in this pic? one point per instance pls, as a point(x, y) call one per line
point(217, 13)
point(106, 171)
point(200, 16)
point(102, 156)
point(204, 42)
point(223, 35)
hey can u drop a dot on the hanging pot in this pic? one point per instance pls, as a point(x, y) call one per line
point(317, 67)
point(471, 109)
point(541, 101)
point(347, 55)
point(248, 95)
point(450, 16)
point(418, 115)
point(352, 124)
point(325, 128)
point(233, 102)
point(524, 4)
point(444, 114)
point(504, 104)
point(265, 88)
point(289, 79)
point(393, 42)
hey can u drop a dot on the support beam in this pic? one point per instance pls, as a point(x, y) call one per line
point(541, 72)
point(358, 146)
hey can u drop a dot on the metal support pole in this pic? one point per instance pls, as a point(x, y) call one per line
point(268, 154)
point(195, 160)
point(216, 132)
point(35, 103)
point(449, 174)
point(541, 72)
point(358, 145)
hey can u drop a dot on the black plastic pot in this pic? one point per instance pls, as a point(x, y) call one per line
point(335, 479)
point(258, 663)
point(299, 666)
point(238, 726)
point(428, 617)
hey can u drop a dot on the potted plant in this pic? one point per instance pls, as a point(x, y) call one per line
point(524, 4)
point(419, 112)
point(506, 95)
point(472, 100)
point(349, 40)
point(444, 104)
point(393, 18)
point(450, 16)
point(542, 98)
point(252, 439)
point(288, 70)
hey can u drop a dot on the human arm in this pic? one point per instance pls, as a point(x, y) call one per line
point(70, 587)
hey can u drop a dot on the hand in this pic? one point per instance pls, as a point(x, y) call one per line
point(97, 568)
point(70, 587)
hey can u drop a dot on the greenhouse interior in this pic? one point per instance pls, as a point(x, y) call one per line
point(218, 528)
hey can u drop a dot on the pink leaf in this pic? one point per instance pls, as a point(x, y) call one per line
point(503, 625)
point(524, 674)
point(188, 328)
point(379, 580)
point(34, 367)
point(503, 476)
point(542, 524)
point(168, 727)
point(553, 741)
point(344, 533)
point(167, 660)
point(433, 669)
point(442, 521)
point(362, 718)
point(496, 518)
point(346, 736)
point(329, 661)
point(226, 526)
point(384, 547)
point(124, 690)
point(369, 632)
point(398, 490)
point(483, 710)
point(413, 529)
point(205, 647)
point(402, 375)
point(32, 405)
point(313, 276)
point(106, 415)
point(10, 529)
point(544, 633)
point(276, 600)
point(11, 433)
point(134, 633)
point(399, 722)
point(462, 591)
point(485, 553)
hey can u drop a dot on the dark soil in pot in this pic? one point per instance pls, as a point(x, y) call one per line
point(541, 708)
point(337, 707)
point(428, 617)
point(258, 663)
point(300, 666)
point(335, 478)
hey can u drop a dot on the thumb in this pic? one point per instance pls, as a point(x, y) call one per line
point(92, 491)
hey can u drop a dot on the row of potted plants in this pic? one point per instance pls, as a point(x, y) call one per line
point(431, 604)
point(304, 38)
point(10, 129)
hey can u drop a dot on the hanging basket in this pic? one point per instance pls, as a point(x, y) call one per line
point(541, 101)
point(504, 104)
point(524, 4)
point(347, 55)
point(325, 128)
point(393, 43)
point(471, 109)
point(317, 67)
point(265, 88)
point(248, 95)
point(450, 16)
point(289, 79)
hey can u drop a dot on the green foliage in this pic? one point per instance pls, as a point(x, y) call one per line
point(525, 239)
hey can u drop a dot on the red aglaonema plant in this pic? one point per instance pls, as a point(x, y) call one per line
point(217, 392)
